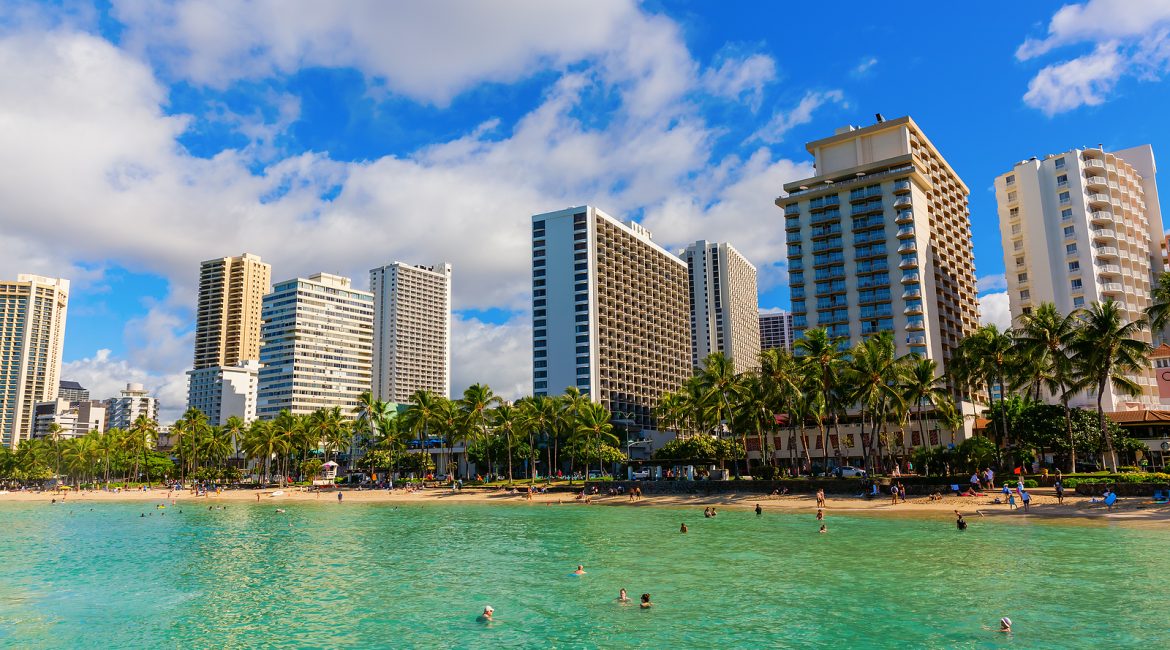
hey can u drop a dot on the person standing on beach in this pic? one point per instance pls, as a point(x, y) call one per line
point(902, 492)
point(894, 494)
point(339, 496)
point(1059, 489)
point(1026, 498)
point(821, 498)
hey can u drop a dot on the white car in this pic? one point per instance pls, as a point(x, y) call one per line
point(642, 474)
point(849, 472)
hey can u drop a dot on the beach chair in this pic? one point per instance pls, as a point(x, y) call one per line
point(1110, 500)
point(1161, 496)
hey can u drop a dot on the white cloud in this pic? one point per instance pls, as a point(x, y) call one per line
point(740, 77)
point(783, 122)
point(105, 375)
point(497, 355)
point(994, 310)
point(992, 282)
point(95, 175)
point(1129, 38)
point(865, 66)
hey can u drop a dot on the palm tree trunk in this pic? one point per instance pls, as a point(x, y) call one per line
point(1104, 429)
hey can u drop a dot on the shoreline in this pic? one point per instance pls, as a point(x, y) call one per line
point(1128, 510)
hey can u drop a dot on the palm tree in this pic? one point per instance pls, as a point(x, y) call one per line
point(1158, 313)
point(1048, 337)
point(477, 399)
point(422, 414)
point(235, 428)
point(142, 436)
point(1105, 353)
point(923, 388)
point(370, 411)
point(506, 420)
point(288, 430)
point(754, 411)
point(720, 383)
point(539, 414)
point(264, 440)
point(985, 358)
point(593, 424)
point(874, 374)
point(55, 431)
point(821, 354)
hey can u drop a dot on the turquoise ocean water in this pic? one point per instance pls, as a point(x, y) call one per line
point(325, 575)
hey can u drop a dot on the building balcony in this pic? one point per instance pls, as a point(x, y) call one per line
point(908, 263)
point(901, 187)
point(1094, 163)
point(795, 250)
point(792, 223)
point(1096, 182)
point(1109, 269)
point(911, 278)
point(916, 340)
point(1104, 234)
point(1105, 251)
point(1112, 287)
point(1097, 199)
point(908, 246)
point(904, 217)
point(913, 293)
point(792, 209)
point(1101, 217)
point(905, 232)
point(903, 202)
point(915, 324)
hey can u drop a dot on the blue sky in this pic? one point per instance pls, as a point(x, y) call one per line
point(146, 137)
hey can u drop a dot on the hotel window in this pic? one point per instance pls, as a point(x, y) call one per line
point(1079, 302)
point(1025, 295)
point(1018, 244)
point(1074, 265)
point(1019, 261)
point(1011, 196)
point(1011, 180)
point(1069, 231)
point(1065, 197)
point(1059, 163)
point(1062, 180)
point(1070, 249)
point(1066, 214)
point(1022, 277)
point(1014, 212)
point(1076, 284)
point(1015, 229)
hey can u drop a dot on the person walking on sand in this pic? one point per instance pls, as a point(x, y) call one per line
point(1026, 498)
point(1059, 489)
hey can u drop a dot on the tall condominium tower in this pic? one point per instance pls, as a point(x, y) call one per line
point(776, 331)
point(1080, 227)
point(610, 312)
point(317, 340)
point(227, 321)
point(122, 411)
point(72, 391)
point(412, 330)
point(724, 304)
point(32, 334)
point(223, 391)
point(880, 240)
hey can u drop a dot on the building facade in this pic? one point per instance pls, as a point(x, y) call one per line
point(1081, 227)
point(227, 321)
point(776, 331)
point(610, 310)
point(75, 418)
point(880, 241)
point(317, 346)
point(72, 391)
point(724, 304)
point(33, 310)
point(412, 330)
point(221, 392)
point(134, 401)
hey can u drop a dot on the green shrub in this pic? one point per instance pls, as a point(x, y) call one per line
point(1028, 483)
point(766, 473)
point(1129, 469)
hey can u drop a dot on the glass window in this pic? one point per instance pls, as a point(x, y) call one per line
point(1062, 179)
point(1069, 231)
point(1074, 265)
point(1076, 284)
point(1070, 249)
point(1066, 214)
point(1025, 295)
point(1022, 277)
point(1011, 196)
point(1079, 301)
point(1065, 197)
point(1019, 261)
point(1011, 180)
point(1059, 163)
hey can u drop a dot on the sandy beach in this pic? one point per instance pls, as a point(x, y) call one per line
point(1044, 505)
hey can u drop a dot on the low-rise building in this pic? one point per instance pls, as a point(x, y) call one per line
point(122, 411)
point(75, 419)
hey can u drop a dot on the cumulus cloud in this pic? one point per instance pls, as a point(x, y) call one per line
point(95, 173)
point(105, 375)
point(995, 310)
point(784, 121)
point(1129, 38)
point(992, 282)
point(737, 78)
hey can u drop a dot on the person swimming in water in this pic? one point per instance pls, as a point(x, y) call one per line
point(823, 529)
point(759, 510)
point(646, 604)
point(622, 597)
point(1005, 624)
point(960, 523)
point(580, 570)
point(682, 528)
point(486, 616)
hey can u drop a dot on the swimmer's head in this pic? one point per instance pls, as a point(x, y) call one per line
point(487, 609)
point(1005, 623)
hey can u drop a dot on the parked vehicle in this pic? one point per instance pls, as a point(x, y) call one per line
point(642, 474)
point(595, 475)
point(850, 472)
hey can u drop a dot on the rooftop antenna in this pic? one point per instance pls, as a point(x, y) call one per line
point(880, 118)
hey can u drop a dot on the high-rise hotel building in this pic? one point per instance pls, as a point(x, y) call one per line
point(724, 304)
point(32, 335)
point(1081, 227)
point(227, 321)
point(880, 240)
point(776, 331)
point(610, 312)
point(412, 330)
point(317, 345)
point(227, 336)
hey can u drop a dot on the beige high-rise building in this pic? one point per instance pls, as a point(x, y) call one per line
point(1081, 227)
point(131, 403)
point(724, 304)
point(412, 330)
point(227, 321)
point(610, 312)
point(32, 336)
point(318, 340)
point(776, 331)
point(880, 241)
